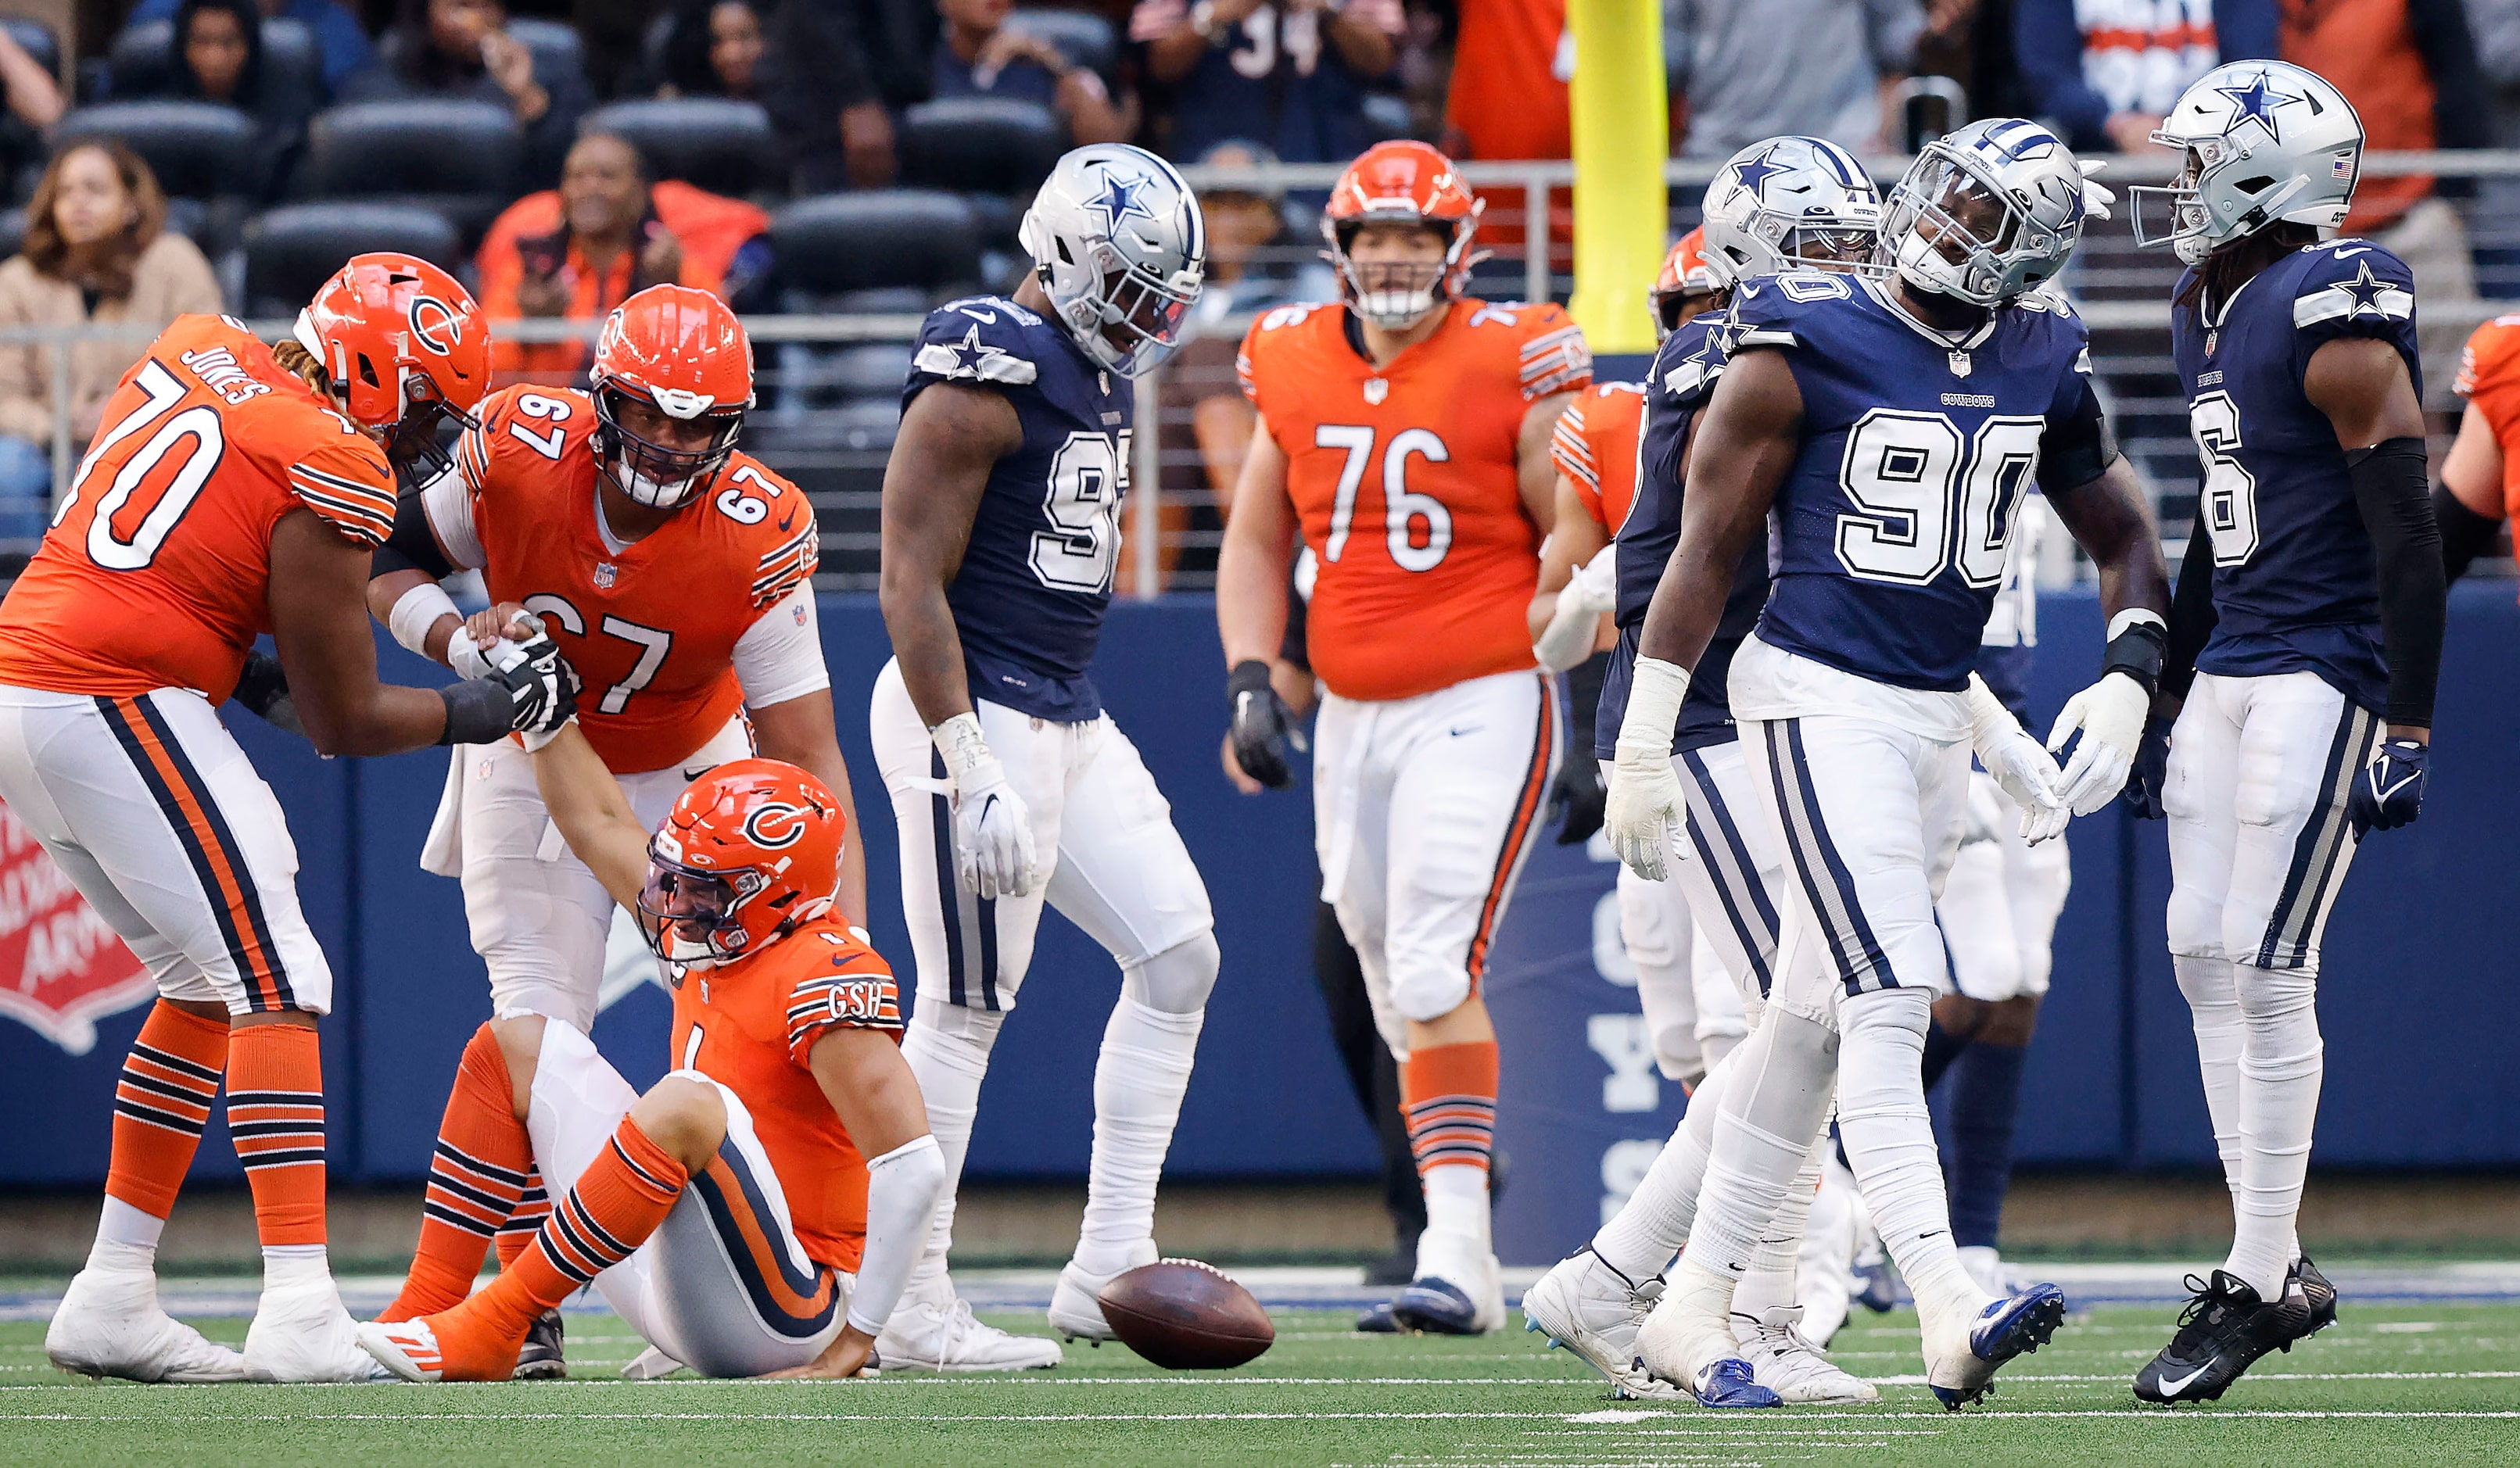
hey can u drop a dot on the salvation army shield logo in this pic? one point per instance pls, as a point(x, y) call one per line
point(62, 968)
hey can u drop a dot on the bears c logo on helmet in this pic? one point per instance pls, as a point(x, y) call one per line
point(431, 317)
point(776, 826)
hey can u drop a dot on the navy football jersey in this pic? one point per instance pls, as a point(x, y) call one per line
point(1036, 577)
point(2010, 640)
point(1685, 371)
point(1918, 446)
point(2295, 584)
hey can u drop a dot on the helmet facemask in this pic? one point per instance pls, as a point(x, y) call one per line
point(655, 474)
point(416, 444)
point(2191, 229)
point(691, 917)
point(1944, 207)
point(1134, 321)
point(1397, 294)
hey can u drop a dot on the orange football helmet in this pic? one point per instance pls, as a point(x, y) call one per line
point(1409, 183)
point(406, 348)
point(750, 853)
point(1686, 276)
point(682, 351)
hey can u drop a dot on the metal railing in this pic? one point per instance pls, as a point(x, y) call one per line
point(826, 418)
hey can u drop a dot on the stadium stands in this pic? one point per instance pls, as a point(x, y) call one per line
point(717, 142)
point(291, 250)
point(464, 160)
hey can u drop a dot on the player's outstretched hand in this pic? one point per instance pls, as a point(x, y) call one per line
point(263, 688)
point(2152, 774)
point(1576, 799)
point(2110, 717)
point(2021, 766)
point(1263, 726)
point(993, 849)
point(2390, 791)
point(541, 683)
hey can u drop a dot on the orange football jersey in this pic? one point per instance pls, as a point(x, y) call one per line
point(651, 627)
point(156, 571)
point(752, 1026)
point(1406, 480)
point(1595, 446)
point(2489, 377)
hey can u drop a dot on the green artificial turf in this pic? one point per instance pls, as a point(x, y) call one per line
point(2416, 1384)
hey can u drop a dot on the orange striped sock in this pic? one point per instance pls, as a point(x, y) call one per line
point(474, 1181)
point(276, 1115)
point(619, 1201)
point(1448, 1097)
point(524, 1221)
point(160, 1105)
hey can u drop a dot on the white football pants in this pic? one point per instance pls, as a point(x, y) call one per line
point(2001, 902)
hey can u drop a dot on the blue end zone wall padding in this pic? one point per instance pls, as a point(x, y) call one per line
point(2416, 962)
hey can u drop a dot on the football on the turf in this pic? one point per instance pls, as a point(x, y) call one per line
point(1185, 1315)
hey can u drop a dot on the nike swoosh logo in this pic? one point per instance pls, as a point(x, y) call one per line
point(989, 317)
point(791, 519)
point(2172, 1386)
point(692, 774)
point(2348, 254)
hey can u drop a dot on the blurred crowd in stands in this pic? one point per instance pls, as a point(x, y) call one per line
point(871, 155)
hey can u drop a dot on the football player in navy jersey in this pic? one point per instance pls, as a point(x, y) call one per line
point(2310, 611)
point(1893, 425)
point(1011, 787)
point(1782, 204)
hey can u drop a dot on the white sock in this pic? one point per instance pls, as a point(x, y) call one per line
point(132, 1227)
point(1774, 1270)
point(285, 1265)
point(948, 1051)
point(1138, 1084)
point(1639, 1239)
point(1890, 1143)
point(1773, 1104)
point(2281, 1063)
point(2214, 1008)
point(1828, 1251)
point(903, 1187)
point(1457, 1202)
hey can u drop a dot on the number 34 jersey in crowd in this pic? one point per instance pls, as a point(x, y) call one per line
point(1035, 581)
point(2296, 586)
point(1918, 448)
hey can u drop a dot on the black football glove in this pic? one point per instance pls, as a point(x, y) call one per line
point(2143, 792)
point(2390, 791)
point(1576, 800)
point(1263, 725)
point(263, 688)
point(542, 687)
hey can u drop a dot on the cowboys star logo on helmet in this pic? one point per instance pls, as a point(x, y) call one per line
point(2256, 103)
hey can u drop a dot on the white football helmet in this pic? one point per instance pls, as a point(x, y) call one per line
point(1118, 242)
point(1780, 197)
point(2007, 195)
point(2265, 141)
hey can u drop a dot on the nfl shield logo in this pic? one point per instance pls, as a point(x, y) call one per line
point(68, 968)
point(1960, 364)
point(2210, 339)
point(605, 575)
point(1375, 390)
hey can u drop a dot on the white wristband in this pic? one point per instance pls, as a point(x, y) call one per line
point(415, 611)
point(965, 747)
point(1656, 692)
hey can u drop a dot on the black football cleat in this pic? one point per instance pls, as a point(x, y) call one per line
point(2222, 1333)
point(2318, 1292)
point(539, 1360)
point(1436, 1307)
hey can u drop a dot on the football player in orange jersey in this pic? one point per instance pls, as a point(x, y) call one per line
point(2480, 479)
point(676, 573)
point(233, 489)
point(758, 1210)
point(1404, 433)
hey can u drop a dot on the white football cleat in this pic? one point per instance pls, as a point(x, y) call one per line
point(1593, 1310)
point(109, 1323)
point(1688, 1341)
point(1962, 1350)
point(301, 1333)
point(406, 1349)
point(1785, 1360)
point(933, 1329)
point(1076, 1304)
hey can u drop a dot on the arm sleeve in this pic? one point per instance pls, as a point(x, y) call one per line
point(2047, 47)
point(2397, 510)
point(347, 482)
point(2191, 610)
point(2077, 444)
point(780, 656)
point(2464, 534)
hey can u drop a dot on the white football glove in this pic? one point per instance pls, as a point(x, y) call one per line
point(2109, 715)
point(1646, 802)
point(1567, 640)
point(993, 851)
point(1595, 585)
point(2020, 766)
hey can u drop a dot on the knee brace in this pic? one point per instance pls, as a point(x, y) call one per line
point(1178, 980)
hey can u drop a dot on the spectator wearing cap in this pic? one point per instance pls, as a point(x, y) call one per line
point(2106, 71)
point(219, 57)
point(603, 236)
point(978, 55)
point(462, 49)
point(1288, 73)
point(97, 251)
point(340, 39)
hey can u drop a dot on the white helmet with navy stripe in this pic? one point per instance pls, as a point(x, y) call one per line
point(2265, 141)
point(1118, 242)
point(1781, 203)
point(1990, 212)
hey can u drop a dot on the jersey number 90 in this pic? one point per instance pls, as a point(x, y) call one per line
point(1925, 501)
point(1088, 477)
